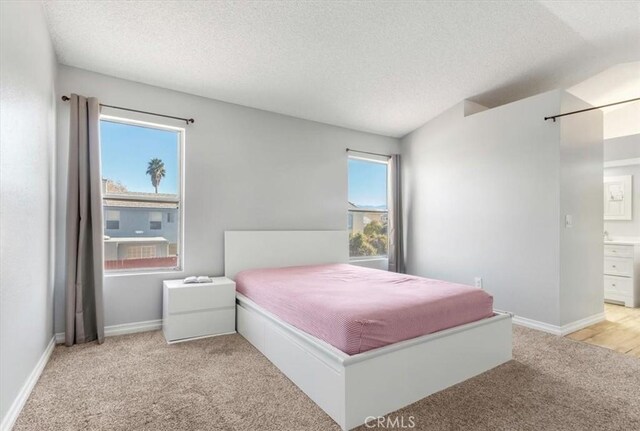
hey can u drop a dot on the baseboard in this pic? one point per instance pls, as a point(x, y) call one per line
point(537, 325)
point(556, 329)
point(16, 407)
point(582, 323)
point(59, 338)
point(125, 328)
point(132, 328)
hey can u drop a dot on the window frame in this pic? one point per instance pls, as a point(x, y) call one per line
point(384, 160)
point(107, 219)
point(179, 192)
point(152, 221)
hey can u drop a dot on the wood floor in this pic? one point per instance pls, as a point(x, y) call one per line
point(620, 331)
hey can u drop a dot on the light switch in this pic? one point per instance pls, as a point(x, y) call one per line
point(568, 221)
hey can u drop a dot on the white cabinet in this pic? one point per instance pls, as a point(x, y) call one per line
point(622, 266)
point(199, 309)
point(622, 273)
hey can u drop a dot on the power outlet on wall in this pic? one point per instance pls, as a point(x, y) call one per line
point(478, 282)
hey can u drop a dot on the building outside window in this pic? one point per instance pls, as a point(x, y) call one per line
point(368, 212)
point(142, 181)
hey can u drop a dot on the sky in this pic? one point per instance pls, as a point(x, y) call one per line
point(367, 183)
point(127, 149)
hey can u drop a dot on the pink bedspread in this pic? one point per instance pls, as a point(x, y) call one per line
point(357, 309)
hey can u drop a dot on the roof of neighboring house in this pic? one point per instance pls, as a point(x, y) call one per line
point(133, 239)
point(111, 203)
point(141, 200)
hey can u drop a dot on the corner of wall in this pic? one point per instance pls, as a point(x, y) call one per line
point(28, 190)
point(581, 248)
point(471, 108)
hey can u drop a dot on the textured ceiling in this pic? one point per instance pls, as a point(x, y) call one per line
point(382, 67)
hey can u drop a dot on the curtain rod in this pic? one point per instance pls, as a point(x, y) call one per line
point(186, 120)
point(553, 117)
point(367, 152)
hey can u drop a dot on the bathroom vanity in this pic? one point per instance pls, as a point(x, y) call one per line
point(622, 272)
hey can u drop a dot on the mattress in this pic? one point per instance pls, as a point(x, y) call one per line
point(357, 309)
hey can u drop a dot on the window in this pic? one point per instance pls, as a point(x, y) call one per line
point(142, 181)
point(112, 220)
point(155, 221)
point(368, 210)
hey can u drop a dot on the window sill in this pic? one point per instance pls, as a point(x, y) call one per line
point(375, 262)
point(127, 273)
point(368, 258)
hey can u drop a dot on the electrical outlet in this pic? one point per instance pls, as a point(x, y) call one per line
point(478, 282)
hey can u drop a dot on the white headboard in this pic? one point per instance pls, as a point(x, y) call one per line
point(273, 248)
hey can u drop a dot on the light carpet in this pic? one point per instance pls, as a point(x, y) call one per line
point(138, 382)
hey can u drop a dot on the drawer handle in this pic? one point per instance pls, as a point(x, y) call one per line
point(613, 266)
point(614, 285)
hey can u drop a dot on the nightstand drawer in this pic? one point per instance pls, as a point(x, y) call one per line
point(200, 324)
point(617, 286)
point(201, 297)
point(618, 266)
point(618, 250)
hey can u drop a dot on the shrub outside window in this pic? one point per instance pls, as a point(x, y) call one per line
point(368, 212)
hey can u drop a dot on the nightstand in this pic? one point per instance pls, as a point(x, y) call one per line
point(198, 310)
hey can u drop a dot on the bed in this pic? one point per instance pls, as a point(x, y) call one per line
point(357, 309)
point(356, 373)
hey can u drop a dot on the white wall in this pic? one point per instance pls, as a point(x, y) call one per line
point(245, 169)
point(622, 121)
point(482, 198)
point(27, 119)
point(627, 147)
point(581, 190)
point(626, 228)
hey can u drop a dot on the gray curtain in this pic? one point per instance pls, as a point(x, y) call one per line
point(396, 241)
point(84, 267)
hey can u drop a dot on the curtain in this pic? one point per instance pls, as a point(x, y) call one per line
point(84, 314)
point(396, 242)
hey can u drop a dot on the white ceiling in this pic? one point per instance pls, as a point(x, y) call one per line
point(379, 66)
point(618, 83)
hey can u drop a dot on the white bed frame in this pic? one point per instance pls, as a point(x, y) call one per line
point(355, 389)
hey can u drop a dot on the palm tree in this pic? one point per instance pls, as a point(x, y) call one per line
point(156, 170)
